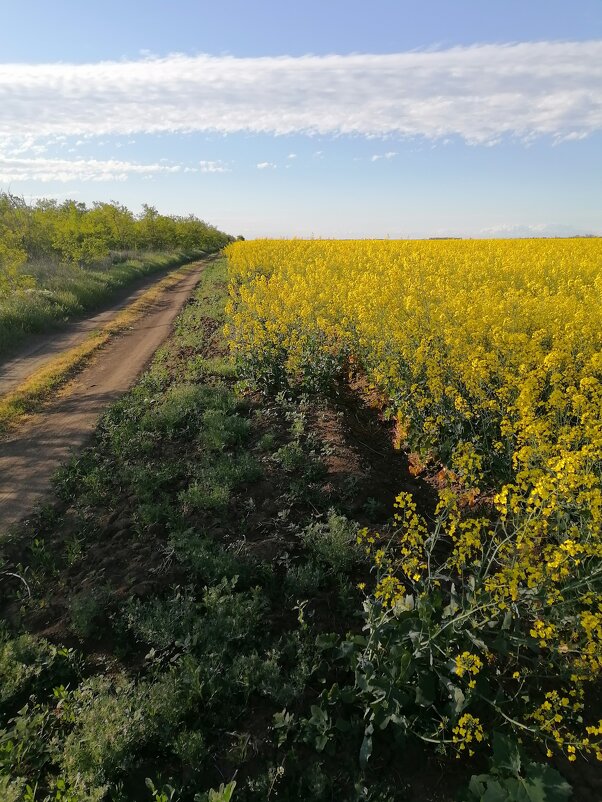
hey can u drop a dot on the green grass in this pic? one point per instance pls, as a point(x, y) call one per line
point(197, 668)
point(63, 292)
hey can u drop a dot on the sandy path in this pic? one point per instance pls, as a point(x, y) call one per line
point(41, 348)
point(30, 456)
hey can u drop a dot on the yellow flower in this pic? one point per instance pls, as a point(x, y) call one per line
point(467, 663)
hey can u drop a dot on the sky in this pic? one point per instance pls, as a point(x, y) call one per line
point(329, 118)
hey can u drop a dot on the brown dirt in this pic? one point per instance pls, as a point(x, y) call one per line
point(362, 446)
point(30, 456)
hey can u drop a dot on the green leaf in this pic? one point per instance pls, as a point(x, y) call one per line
point(478, 784)
point(426, 690)
point(545, 779)
point(457, 699)
point(506, 754)
point(366, 748)
point(405, 661)
point(452, 608)
point(318, 716)
point(495, 793)
point(320, 742)
point(223, 794)
point(326, 641)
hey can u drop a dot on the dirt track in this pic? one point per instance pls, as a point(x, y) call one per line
point(30, 456)
point(41, 348)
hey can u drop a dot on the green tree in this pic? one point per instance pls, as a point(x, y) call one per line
point(79, 236)
point(12, 253)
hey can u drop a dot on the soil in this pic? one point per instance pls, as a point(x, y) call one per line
point(30, 456)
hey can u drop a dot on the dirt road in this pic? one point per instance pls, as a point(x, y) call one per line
point(38, 349)
point(30, 456)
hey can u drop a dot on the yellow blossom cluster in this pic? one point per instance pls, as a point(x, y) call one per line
point(489, 353)
point(553, 718)
point(468, 730)
point(467, 663)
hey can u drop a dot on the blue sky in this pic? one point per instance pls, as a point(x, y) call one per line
point(323, 118)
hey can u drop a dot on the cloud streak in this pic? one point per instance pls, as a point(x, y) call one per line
point(478, 93)
point(64, 170)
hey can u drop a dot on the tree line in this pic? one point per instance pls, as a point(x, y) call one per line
point(79, 235)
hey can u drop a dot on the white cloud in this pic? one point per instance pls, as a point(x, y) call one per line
point(62, 170)
point(478, 93)
point(213, 167)
point(292, 156)
point(266, 166)
point(391, 154)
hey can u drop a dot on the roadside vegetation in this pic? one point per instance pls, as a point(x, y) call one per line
point(58, 261)
point(245, 590)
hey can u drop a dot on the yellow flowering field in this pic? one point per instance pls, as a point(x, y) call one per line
point(488, 355)
point(488, 352)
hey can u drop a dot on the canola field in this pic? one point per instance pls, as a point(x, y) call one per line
point(488, 355)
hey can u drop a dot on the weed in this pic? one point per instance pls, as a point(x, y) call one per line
point(304, 580)
point(86, 610)
point(333, 542)
point(31, 665)
point(291, 457)
point(512, 778)
point(267, 442)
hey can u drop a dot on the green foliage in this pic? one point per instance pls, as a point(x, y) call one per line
point(86, 609)
point(81, 235)
point(304, 580)
point(177, 410)
point(225, 793)
point(212, 488)
point(12, 253)
point(205, 564)
point(11, 790)
point(166, 794)
point(12, 259)
point(514, 778)
point(28, 664)
point(333, 542)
